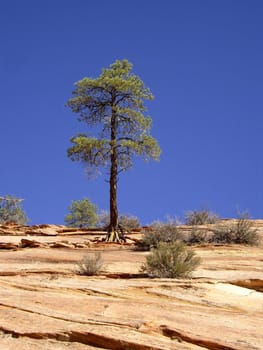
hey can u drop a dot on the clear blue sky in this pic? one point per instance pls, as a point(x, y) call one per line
point(202, 60)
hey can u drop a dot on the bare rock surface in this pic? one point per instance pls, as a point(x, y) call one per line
point(46, 304)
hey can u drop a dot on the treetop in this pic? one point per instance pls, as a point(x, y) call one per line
point(114, 103)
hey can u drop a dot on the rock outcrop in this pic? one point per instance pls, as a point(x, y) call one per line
point(46, 304)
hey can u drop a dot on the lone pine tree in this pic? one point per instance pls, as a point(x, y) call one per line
point(113, 104)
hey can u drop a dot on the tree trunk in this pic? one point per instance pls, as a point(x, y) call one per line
point(113, 235)
point(113, 191)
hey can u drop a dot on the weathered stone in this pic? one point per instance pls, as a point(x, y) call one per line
point(81, 245)
point(46, 304)
point(8, 245)
point(61, 245)
point(29, 243)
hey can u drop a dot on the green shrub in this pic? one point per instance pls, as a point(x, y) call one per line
point(11, 211)
point(160, 232)
point(200, 217)
point(90, 264)
point(82, 213)
point(241, 232)
point(171, 261)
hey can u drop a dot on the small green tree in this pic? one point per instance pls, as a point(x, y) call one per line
point(82, 213)
point(11, 210)
point(114, 104)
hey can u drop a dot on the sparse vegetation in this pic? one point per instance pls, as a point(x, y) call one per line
point(200, 217)
point(90, 264)
point(222, 234)
point(103, 219)
point(126, 221)
point(197, 236)
point(241, 232)
point(129, 222)
point(244, 231)
point(160, 232)
point(11, 211)
point(82, 213)
point(171, 260)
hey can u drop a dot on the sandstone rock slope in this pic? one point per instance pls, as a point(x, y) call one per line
point(46, 304)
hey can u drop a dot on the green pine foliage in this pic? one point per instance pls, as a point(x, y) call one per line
point(11, 211)
point(82, 213)
point(116, 94)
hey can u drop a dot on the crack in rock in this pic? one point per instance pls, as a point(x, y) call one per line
point(205, 343)
point(87, 338)
point(254, 284)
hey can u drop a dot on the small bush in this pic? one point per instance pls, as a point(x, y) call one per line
point(222, 234)
point(103, 219)
point(160, 232)
point(90, 264)
point(197, 237)
point(200, 217)
point(128, 222)
point(171, 261)
point(242, 232)
point(82, 213)
point(11, 211)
